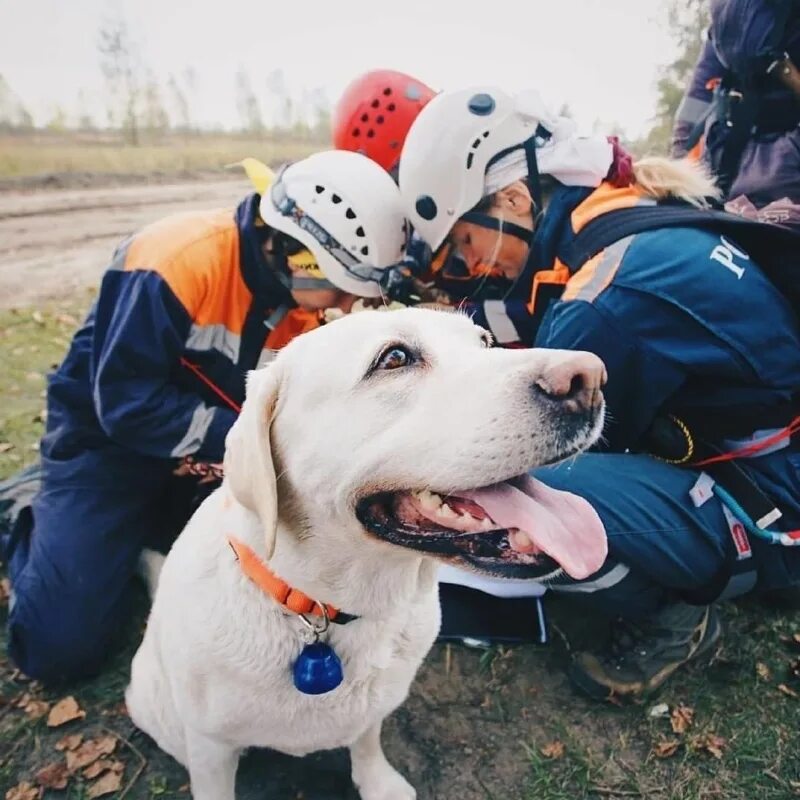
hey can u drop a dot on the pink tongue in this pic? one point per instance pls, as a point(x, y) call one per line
point(563, 525)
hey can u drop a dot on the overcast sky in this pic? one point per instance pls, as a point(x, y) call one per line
point(602, 58)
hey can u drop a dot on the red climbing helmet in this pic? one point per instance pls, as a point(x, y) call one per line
point(375, 112)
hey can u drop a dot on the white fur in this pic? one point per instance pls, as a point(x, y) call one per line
point(213, 674)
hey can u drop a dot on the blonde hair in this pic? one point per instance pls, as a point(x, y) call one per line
point(662, 178)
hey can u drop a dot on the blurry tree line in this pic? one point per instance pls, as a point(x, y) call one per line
point(139, 105)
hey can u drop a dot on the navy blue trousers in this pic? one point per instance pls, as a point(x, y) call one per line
point(661, 547)
point(71, 570)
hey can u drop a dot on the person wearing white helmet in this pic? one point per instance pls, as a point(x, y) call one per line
point(140, 407)
point(346, 214)
point(694, 313)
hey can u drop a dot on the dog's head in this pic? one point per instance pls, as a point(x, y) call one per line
point(406, 427)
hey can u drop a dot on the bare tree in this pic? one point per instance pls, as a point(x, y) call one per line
point(179, 105)
point(122, 69)
point(247, 104)
point(321, 114)
point(154, 116)
point(83, 117)
point(13, 114)
point(276, 95)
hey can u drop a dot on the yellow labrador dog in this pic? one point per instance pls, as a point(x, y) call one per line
point(367, 449)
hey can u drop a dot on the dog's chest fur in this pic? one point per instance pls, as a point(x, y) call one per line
point(221, 658)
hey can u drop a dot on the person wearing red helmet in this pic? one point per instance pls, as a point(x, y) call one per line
point(375, 112)
point(372, 117)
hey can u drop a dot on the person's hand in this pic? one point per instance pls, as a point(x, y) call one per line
point(206, 472)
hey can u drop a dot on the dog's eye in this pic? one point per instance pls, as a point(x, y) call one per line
point(394, 357)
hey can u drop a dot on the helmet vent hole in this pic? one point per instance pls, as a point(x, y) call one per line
point(426, 207)
point(476, 144)
point(391, 107)
point(376, 103)
point(370, 133)
point(365, 250)
point(485, 134)
point(360, 232)
point(356, 132)
point(387, 91)
point(319, 189)
point(379, 120)
point(335, 199)
point(350, 214)
point(365, 117)
point(470, 156)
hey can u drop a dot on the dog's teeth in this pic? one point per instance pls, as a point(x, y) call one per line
point(428, 500)
point(486, 524)
point(446, 511)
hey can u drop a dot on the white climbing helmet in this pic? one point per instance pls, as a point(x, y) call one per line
point(460, 134)
point(347, 211)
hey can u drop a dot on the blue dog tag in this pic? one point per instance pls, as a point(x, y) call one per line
point(317, 669)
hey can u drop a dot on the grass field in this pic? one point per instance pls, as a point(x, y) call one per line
point(43, 154)
point(728, 731)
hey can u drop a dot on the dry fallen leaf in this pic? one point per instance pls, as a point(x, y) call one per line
point(710, 742)
point(37, 317)
point(108, 784)
point(90, 751)
point(23, 791)
point(5, 447)
point(64, 711)
point(782, 687)
point(666, 748)
point(681, 718)
point(552, 750)
point(72, 742)
point(53, 776)
point(763, 671)
point(36, 708)
point(101, 766)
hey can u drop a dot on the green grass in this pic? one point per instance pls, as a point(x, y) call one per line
point(40, 154)
point(32, 342)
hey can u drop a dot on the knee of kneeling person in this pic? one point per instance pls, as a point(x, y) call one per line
point(61, 647)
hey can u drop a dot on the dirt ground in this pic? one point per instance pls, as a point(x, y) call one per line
point(56, 243)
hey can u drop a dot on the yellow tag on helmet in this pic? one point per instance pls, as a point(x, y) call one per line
point(306, 262)
point(260, 175)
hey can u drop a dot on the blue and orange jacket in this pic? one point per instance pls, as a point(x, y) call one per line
point(686, 324)
point(190, 292)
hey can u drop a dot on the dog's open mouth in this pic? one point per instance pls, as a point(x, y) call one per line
point(518, 528)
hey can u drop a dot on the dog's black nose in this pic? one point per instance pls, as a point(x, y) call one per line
point(574, 379)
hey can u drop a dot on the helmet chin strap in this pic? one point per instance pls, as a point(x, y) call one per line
point(494, 224)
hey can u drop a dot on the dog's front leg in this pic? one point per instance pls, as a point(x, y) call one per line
point(212, 767)
point(374, 776)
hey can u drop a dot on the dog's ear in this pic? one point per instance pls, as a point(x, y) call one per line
point(249, 469)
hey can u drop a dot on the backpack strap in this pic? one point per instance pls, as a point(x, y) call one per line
point(755, 237)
